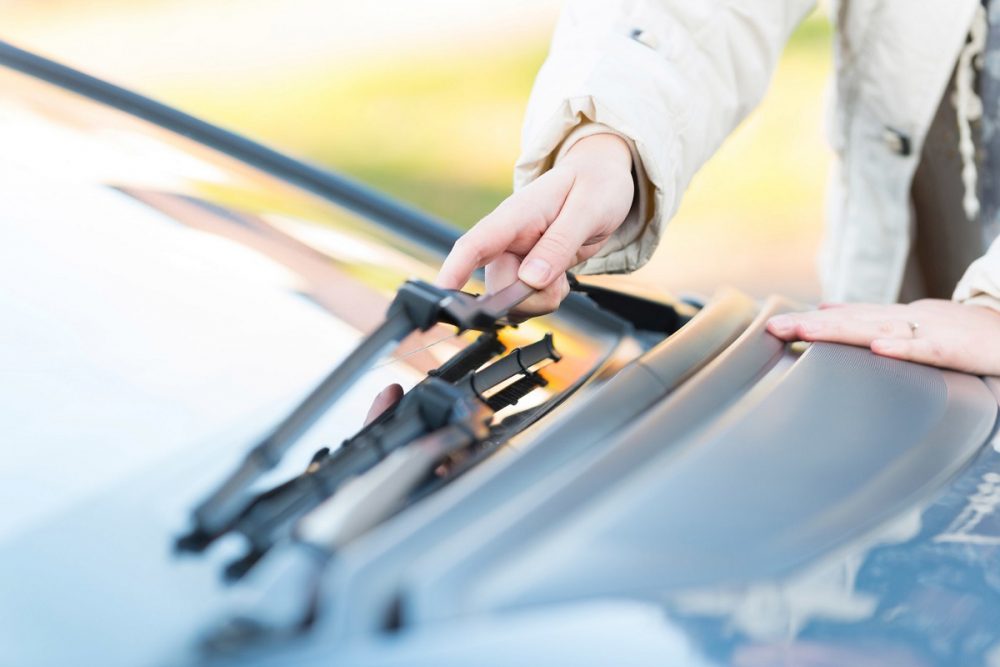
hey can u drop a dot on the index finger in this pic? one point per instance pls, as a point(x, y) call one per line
point(534, 207)
point(476, 248)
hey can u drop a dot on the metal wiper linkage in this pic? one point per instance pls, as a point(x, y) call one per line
point(417, 306)
point(433, 406)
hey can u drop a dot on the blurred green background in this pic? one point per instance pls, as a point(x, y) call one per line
point(424, 100)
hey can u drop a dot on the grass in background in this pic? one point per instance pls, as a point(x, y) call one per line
point(440, 131)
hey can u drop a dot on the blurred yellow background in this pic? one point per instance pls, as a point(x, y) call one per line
point(423, 99)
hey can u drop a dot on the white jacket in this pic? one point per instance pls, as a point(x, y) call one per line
point(675, 77)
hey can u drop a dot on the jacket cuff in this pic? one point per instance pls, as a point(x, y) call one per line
point(599, 83)
point(611, 258)
point(980, 286)
point(633, 243)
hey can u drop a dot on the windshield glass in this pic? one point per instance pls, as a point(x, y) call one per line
point(160, 297)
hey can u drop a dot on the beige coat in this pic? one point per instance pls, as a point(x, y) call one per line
point(675, 77)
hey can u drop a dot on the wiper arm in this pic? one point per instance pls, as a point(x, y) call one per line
point(362, 503)
point(417, 306)
point(429, 407)
point(327, 525)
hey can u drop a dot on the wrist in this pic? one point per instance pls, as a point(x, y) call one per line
point(606, 148)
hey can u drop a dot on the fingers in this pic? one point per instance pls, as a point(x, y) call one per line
point(935, 332)
point(544, 302)
point(385, 399)
point(920, 350)
point(552, 223)
point(556, 251)
point(476, 248)
point(519, 220)
point(580, 223)
point(845, 324)
point(503, 271)
point(559, 220)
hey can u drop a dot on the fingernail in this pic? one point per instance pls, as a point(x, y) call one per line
point(535, 272)
point(780, 324)
point(809, 328)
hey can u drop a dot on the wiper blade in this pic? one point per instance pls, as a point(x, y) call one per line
point(363, 502)
point(429, 407)
point(417, 306)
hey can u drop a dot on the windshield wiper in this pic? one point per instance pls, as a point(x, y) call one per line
point(296, 577)
point(320, 524)
point(417, 306)
point(431, 406)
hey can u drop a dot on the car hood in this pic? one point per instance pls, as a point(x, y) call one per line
point(163, 305)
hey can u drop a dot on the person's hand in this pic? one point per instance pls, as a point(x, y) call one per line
point(555, 222)
point(931, 331)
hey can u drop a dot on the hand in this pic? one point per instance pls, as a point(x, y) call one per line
point(555, 222)
point(946, 334)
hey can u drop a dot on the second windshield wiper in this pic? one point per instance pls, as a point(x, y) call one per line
point(432, 405)
point(417, 306)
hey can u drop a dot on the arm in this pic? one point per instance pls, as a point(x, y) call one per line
point(664, 82)
point(675, 77)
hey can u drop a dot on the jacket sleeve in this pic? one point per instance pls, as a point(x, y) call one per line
point(674, 77)
point(980, 286)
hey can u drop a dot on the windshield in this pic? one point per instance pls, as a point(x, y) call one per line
point(160, 297)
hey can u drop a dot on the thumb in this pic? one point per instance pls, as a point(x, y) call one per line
point(518, 216)
point(557, 250)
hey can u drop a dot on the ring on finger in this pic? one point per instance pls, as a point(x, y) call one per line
point(914, 328)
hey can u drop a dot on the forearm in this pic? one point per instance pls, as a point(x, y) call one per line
point(674, 78)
